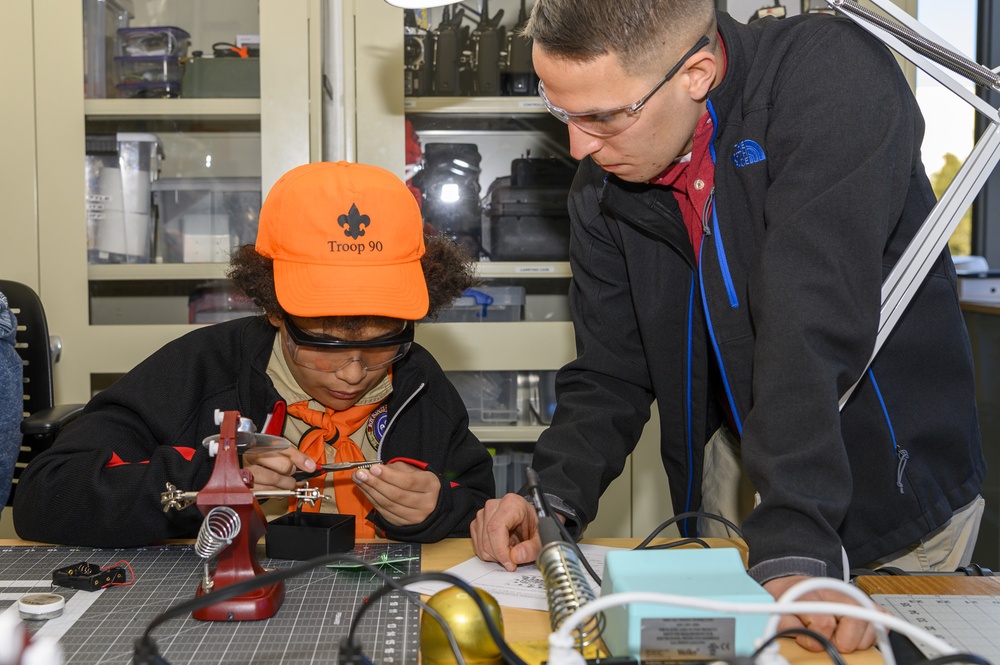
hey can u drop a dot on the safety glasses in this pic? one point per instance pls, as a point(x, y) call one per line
point(329, 354)
point(605, 124)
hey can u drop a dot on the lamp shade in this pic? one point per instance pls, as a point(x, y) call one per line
point(419, 4)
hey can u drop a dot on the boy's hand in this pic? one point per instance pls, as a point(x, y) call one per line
point(273, 470)
point(403, 494)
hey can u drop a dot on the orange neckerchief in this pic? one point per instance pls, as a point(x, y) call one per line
point(335, 427)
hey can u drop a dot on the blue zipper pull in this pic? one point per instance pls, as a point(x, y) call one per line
point(904, 457)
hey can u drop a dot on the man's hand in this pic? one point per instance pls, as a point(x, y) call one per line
point(506, 531)
point(273, 470)
point(846, 633)
point(403, 494)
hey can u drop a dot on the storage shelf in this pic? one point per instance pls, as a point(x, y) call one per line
point(174, 108)
point(507, 433)
point(475, 105)
point(156, 271)
point(523, 269)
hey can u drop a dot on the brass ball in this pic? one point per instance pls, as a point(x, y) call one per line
point(460, 612)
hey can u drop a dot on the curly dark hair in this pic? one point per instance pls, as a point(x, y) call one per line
point(448, 271)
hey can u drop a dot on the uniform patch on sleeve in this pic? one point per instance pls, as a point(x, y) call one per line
point(375, 429)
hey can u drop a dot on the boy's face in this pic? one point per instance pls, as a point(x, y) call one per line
point(346, 374)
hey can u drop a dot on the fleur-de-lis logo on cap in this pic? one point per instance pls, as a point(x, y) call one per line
point(354, 222)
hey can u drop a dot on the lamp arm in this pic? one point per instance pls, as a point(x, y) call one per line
point(943, 54)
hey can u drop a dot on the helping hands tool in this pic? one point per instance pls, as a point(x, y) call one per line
point(231, 487)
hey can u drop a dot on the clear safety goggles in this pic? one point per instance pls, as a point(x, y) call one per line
point(608, 123)
point(329, 354)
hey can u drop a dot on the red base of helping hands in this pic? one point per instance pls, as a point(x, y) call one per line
point(238, 561)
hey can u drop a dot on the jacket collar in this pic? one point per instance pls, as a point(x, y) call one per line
point(741, 45)
point(649, 208)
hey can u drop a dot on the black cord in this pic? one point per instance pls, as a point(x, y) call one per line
point(958, 658)
point(682, 516)
point(678, 543)
point(563, 531)
point(828, 646)
point(145, 650)
point(509, 655)
point(395, 585)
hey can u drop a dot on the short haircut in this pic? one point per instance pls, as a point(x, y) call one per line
point(642, 33)
point(447, 268)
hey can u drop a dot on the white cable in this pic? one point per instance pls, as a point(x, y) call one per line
point(560, 654)
point(822, 583)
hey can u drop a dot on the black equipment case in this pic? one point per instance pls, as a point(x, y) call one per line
point(526, 211)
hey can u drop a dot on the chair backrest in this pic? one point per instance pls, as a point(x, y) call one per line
point(32, 345)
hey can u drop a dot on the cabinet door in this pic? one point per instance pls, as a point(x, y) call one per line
point(212, 130)
point(404, 106)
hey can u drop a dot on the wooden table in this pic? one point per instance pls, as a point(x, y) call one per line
point(532, 626)
point(939, 585)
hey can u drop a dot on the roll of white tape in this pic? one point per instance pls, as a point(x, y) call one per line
point(40, 606)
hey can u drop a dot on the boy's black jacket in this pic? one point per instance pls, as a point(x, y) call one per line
point(153, 421)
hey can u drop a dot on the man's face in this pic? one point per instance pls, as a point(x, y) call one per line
point(342, 388)
point(662, 132)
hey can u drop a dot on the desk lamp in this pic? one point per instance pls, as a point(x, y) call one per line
point(420, 4)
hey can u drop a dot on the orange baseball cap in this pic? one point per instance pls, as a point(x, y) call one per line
point(346, 240)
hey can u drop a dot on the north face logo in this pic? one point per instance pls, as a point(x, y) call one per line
point(748, 152)
point(354, 222)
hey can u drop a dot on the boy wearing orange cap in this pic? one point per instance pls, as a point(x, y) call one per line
point(342, 272)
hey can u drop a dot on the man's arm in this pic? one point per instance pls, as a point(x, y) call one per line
point(831, 207)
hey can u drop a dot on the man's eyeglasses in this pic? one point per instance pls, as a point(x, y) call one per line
point(604, 124)
point(328, 354)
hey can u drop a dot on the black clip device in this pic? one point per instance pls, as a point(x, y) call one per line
point(87, 576)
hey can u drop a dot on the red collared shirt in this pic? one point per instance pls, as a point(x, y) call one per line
point(691, 180)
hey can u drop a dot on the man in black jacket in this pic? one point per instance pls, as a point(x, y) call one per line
point(339, 271)
point(728, 250)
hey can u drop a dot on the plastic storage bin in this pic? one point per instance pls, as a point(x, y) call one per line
point(149, 90)
point(485, 304)
point(221, 77)
point(519, 463)
point(218, 301)
point(501, 473)
point(162, 40)
point(201, 220)
point(120, 170)
point(102, 20)
point(148, 69)
point(508, 470)
point(489, 396)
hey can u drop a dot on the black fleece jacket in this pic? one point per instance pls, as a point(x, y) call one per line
point(100, 483)
point(818, 189)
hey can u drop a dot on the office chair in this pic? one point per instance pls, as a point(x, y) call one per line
point(42, 419)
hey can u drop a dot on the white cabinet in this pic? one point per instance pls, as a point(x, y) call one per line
point(249, 137)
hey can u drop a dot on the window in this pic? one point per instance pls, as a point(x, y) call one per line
point(950, 130)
